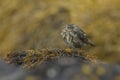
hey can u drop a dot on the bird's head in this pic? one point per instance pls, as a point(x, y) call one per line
point(69, 27)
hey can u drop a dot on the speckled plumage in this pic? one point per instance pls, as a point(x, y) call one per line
point(75, 37)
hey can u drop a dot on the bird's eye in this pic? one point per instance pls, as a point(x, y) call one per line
point(70, 27)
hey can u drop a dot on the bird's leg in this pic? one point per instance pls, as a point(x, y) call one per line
point(74, 49)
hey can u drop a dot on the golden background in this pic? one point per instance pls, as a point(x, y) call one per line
point(35, 24)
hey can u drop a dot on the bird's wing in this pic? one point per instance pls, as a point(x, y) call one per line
point(80, 33)
point(82, 36)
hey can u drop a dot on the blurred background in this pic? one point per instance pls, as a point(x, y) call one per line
point(35, 24)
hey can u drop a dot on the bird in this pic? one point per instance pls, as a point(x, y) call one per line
point(75, 37)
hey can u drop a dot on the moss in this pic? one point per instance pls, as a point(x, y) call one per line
point(32, 58)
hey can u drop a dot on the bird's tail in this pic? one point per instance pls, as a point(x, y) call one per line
point(91, 43)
